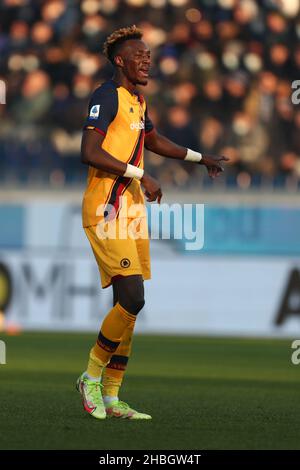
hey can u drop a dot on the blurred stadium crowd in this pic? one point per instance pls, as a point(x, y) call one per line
point(221, 83)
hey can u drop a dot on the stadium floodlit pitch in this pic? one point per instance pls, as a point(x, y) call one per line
point(203, 393)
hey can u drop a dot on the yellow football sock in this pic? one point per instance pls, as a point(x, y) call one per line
point(111, 384)
point(114, 372)
point(95, 365)
point(113, 327)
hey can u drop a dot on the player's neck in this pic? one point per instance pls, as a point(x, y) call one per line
point(123, 81)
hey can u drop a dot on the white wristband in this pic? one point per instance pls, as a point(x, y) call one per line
point(192, 156)
point(133, 172)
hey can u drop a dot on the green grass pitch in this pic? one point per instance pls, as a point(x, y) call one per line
point(203, 393)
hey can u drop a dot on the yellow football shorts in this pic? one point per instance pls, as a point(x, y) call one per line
point(118, 256)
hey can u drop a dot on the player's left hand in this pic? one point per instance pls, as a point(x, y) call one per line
point(213, 164)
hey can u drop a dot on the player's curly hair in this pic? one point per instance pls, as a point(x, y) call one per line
point(117, 38)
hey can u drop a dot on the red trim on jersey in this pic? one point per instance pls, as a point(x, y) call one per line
point(121, 183)
point(95, 129)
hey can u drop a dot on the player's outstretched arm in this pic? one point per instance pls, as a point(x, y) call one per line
point(159, 144)
point(94, 155)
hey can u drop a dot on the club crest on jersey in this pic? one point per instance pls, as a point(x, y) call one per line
point(125, 263)
point(94, 112)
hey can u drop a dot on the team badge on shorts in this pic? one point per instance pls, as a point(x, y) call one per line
point(125, 263)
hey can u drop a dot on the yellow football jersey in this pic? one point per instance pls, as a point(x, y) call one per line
point(122, 118)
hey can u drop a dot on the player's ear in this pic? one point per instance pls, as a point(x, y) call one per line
point(118, 61)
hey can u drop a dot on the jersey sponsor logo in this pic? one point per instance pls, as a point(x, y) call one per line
point(94, 112)
point(137, 126)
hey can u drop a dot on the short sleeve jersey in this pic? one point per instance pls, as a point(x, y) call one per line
point(122, 118)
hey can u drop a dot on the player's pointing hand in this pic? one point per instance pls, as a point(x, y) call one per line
point(213, 164)
point(152, 188)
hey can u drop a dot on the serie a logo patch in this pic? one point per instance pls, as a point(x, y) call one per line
point(94, 112)
point(125, 263)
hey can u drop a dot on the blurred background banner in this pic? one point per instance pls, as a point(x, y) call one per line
point(246, 280)
point(225, 80)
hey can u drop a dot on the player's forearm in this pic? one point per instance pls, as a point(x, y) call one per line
point(102, 160)
point(159, 144)
point(94, 155)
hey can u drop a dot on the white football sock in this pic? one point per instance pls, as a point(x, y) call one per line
point(93, 379)
point(108, 400)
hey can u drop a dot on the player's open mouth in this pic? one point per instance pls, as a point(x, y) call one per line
point(144, 73)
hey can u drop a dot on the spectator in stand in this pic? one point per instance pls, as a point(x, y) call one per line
point(221, 80)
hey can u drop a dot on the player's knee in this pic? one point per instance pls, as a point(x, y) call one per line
point(133, 304)
point(138, 305)
point(131, 293)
